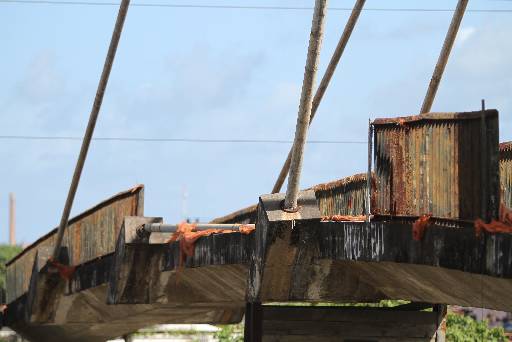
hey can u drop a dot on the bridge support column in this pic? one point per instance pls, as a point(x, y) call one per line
point(253, 322)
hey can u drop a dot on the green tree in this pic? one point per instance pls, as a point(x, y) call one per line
point(6, 253)
point(465, 329)
point(230, 333)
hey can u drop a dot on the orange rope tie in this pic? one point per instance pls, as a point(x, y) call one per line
point(187, 235)
point(343, 218)
point(419, 226)
point(65, 272)
point(502, 225)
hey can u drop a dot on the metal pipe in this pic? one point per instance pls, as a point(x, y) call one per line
point(301, 130)
point(443, 57)
point(326, 79)
point(116, 35)
point(171, 228)
point(369, 172)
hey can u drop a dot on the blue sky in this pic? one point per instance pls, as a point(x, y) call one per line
point(220, 74)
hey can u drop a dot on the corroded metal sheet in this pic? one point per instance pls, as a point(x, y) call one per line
point(506, 173)
point(90, 235)
point(347, 196)
point(445, 164)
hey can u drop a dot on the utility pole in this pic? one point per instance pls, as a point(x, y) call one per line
point(12, 219)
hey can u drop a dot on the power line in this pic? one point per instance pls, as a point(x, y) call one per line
point(243, 7)
point(184, 140)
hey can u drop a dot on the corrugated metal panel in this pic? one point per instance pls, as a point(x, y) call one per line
point(246, 215)
point(435, 163)
point(346, 196)
point(89, 235)
point(506, 173)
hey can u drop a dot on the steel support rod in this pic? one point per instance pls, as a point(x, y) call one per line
point(306, 98)
point(116, 35)
point(443, 57)
point(171, 228)
point(326, 79)
point(369, 173)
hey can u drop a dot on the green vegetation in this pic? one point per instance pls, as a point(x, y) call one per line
point(230, 333)
point(466, 329)
point(6, 254)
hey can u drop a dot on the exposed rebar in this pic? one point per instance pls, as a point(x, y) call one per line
point(326, 79)
point(443, 57)
point(301, 130)
point(116, 35)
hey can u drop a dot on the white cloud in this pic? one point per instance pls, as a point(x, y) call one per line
point(464, 34)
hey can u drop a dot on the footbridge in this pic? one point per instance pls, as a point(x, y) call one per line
point(423, 226)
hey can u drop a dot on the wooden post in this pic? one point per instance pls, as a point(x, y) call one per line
point(326, 79)
point(301, 131)
point(441, 311)
point(484, 177)
point(253, 329)
point(12, 219)
point(116, 35)
point(443, 57)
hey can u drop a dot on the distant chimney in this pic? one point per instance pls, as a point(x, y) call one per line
point(12, 219)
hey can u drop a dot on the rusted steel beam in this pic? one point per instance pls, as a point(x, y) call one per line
point(443, 57)
point(116, 35)
point(301, 131)
point(326, 79)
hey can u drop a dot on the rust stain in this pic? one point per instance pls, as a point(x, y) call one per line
point(433, 164)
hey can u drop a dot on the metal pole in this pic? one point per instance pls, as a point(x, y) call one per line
point(116, 35)
point(171, 228)
point(301, 130)
point(12, 219)
point(326, 79)
point(369, 174)
point(443, 57)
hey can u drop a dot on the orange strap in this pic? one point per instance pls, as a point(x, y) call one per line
point(343, 218)
point(502, 225)
point(187, 235)
point(65, 272)
point(419, 226)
